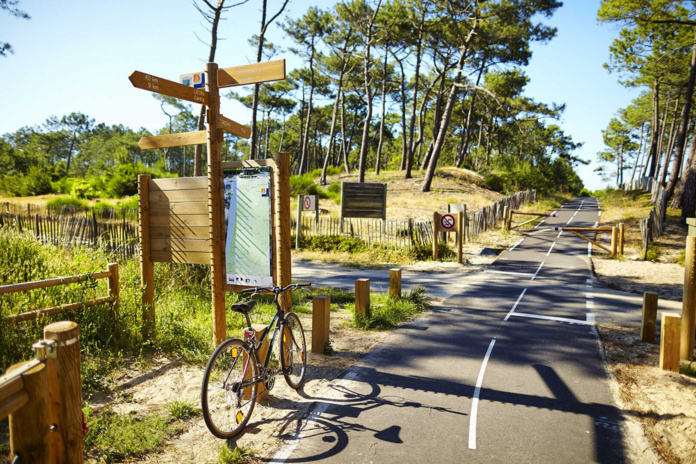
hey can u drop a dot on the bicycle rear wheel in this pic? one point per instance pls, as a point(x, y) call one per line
point(227, 403)
point(293, 351)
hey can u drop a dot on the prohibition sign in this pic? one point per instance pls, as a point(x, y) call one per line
point(447, 222)
point(307, 203)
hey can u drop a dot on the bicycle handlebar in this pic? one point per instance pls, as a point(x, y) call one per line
point(277, 289)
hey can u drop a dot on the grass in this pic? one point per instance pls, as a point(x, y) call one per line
point(387, 313)
point(238, 455)
point(688, 369)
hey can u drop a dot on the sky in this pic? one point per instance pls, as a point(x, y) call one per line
point(76, 56)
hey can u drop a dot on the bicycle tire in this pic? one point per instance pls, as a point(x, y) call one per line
point(293, 351)
point(226, 411)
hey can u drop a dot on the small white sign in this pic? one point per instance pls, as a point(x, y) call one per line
point(195, 80)
point(309, 202)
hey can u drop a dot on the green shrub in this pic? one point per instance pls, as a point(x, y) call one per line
point(56, 205)
point(63, 185)
point(496, 181)
point(333, 243)
point(387, 313)
point(585, 193)
point(124, 181)
point(83, 190)
point(36, 181)
point(299, 185)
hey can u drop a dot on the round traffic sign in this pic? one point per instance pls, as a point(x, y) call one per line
point(447, 222)
point(307, 203)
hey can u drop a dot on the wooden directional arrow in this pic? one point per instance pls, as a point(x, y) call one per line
point(254, 73)
point(172, 140)
point(170, 88)
point(234, 127)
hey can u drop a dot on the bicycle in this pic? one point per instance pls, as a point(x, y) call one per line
point(234, 370)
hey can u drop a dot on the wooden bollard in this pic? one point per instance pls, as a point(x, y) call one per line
point(669, 342)
point(321, 305)
point(395, 283)
point(614, 240)
point(436, 222)
point(30, 425)
point(362, 298)
point(649, 322)
point(65, 392)
point(622, 237)
point(688, 323)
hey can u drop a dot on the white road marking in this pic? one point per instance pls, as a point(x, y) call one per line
point(576, 212)
point(553, 318)
point(525, 274)
point(515, 245)
point(590, 318)
point(589, 281)
point(589, 249)
point(477, 391)
point(285, 452)
point(542, 221)
point(553, 213)
point(549, 252)
point(589, 305)
point(571, 218)
point(515, 305)
point(537, 271)
point(590, 296)
point(596, 223)
point(559, 234)
point(599, 213)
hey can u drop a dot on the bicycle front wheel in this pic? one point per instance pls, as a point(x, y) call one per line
point(293, 351)
point(228, 394)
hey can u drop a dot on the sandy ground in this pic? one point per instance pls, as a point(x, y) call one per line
point(660, 406)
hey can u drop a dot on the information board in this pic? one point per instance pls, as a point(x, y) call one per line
point(248, 251)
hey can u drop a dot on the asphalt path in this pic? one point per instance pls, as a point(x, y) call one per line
point(507, 369)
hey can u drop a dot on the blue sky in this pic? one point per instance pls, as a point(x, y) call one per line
point(77, 55)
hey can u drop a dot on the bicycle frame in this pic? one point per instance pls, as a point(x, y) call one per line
point(255, 347)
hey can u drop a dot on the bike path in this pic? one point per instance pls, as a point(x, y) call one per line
point(509, 368)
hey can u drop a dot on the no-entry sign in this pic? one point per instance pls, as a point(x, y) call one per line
point(447, 222)
point(309, 202)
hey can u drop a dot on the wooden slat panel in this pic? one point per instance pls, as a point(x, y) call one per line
point(163, 219)
point(201, 233)
point(198, 207)
point(173, 196)
point(180, 257)
point(180, 245)
point(179, 183)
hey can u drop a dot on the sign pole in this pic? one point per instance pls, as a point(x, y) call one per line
point(298, 231)
point(217, 264)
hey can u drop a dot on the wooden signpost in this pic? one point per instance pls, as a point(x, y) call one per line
point(182, 219)
point(448, 223)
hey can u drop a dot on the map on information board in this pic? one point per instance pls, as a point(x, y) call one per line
point(248, 215)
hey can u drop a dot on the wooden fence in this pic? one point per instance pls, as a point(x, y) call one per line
point(651, 227)
point(408, 234)
point(111, 273)
point(130, 214)
point(117, 236)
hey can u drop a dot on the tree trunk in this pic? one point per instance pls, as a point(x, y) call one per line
point(655, 129)
point(411, 148)
point(680, 192)
point(446, 116)
point(384, 104)
point(344, 148)
point(364, 145)
point(437, 117)
point(404, 146)
point(683, 123)
point(303, 148)
point(640, 149)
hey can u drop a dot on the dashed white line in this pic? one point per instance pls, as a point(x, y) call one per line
point(515, 305)
point(589, 249)
point(549, 252)
point(537, 271)
point(571, 218)
point(559, 234)
point(542, 221)
point(477, 392)
point(589, 305)
point(524, 274)
point(515, 245)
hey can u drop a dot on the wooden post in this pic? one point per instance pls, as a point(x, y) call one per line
point(465, 225)
point(648, 324)
point(285, 235)
point(298, 231)
point(215, 207)
point(622, 237)
point(147, 270)
point(114, 289)
point(321, 305)
point(436, 223)
point(394, 283)
point(30, 425)
point(460, 235)
point(669, 342)
point(506, 213)
point(65, 391)
point(362, 298)
point(614, 239)
point(688, 323)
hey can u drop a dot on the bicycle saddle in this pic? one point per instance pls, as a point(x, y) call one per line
point(243, 308)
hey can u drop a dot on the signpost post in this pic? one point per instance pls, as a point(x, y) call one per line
point(213, 79)
point(305, 203)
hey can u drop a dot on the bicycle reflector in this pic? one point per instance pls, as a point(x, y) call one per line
point(239, 417)
point(249, 333)
point(235, 352)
